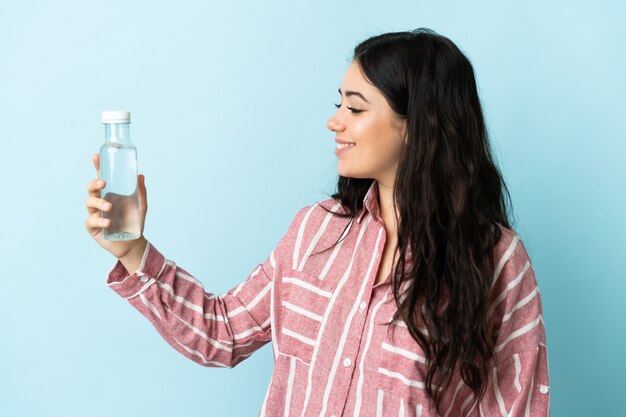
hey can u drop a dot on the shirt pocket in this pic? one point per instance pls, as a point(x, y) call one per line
point(303, 306)
point(402, 367)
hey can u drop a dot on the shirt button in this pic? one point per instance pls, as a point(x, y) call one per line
point(144, 278)
point(347, 362)
point(363, 305)
point(544, 389)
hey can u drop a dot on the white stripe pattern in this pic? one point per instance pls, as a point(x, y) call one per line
point(307, 286)
point(163, 268)
point(142, 289)
point(334, 253)
point(189, 278)
point(402, 323)
point(505, 257)
point(212, 316)
point(252, 330)
point(344, 278)
point(346, 327)
point(517, 333)
point(272, 260)
point(406, 353)
point(499, 398)
point(324, 309)
point(240, 286)
point(292, 374)
point(179, 299)
point(452, 402)
point(251, 304)
point(508, 288)
point(518, 369)
point(370, 330)
point(298, 336)
point(466, 403)
point(204, 360)
point(296, 251)
point(150, 306)
point(521, 304)
point(200, 333)
point(273, 319)
point(399, 376)
point(318, 235)
point(530, 394)
point(302, 311)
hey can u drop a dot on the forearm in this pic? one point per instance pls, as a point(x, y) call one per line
point(132, 260)
point(209, 329)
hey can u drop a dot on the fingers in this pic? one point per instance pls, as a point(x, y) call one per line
point(143, 197)
point(97, 204)
point(95, 186)
point(95, 158)
point(94, 222)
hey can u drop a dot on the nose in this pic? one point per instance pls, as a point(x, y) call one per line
point(335, 124)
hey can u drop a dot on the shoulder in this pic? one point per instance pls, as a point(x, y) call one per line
point(512, 264)
point(317, 212)
point(311, 225)
point(509, 254)
point(515, 302)
point(310, 218)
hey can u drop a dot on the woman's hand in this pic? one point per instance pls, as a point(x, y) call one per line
point(129, 250)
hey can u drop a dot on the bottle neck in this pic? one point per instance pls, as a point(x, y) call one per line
point(117, 133)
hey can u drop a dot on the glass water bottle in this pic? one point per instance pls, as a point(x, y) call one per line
point(118, 167)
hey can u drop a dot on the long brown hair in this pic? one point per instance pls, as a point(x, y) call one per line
point(449, 197)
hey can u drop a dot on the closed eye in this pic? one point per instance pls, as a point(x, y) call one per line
point(352, 109)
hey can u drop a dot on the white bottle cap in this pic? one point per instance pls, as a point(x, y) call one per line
point(122, 116)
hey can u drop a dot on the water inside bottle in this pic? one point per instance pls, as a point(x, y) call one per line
point(124, 216)
point(118, 167)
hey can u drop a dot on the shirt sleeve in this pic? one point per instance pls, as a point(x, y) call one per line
point(519, 386)
point(518, 382)
point(212, 330)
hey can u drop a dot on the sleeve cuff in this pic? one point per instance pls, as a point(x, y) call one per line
point(129, 285)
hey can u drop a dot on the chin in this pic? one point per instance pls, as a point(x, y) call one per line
point(353, 172)
point(348, 173)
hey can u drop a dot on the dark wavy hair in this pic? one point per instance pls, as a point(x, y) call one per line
point(449, 198)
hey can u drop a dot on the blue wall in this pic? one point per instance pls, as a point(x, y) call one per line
point(229, 108)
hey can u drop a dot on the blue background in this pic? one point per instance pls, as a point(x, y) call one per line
point(229, 105)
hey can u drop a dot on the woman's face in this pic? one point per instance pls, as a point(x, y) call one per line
point(376, 135)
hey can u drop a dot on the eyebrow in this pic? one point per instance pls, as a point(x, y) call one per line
point(354, 93)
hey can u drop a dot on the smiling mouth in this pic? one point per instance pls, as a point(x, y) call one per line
point(344, 145)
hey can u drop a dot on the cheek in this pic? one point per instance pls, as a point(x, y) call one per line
point(378, 135)
point(361, 130)
point(368, 131)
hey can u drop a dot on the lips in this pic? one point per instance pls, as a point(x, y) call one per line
point(341, 141)
point(343, 146)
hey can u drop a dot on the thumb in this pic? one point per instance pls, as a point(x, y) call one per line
point(143, 195)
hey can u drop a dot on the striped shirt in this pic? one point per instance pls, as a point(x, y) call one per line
point(334, 352)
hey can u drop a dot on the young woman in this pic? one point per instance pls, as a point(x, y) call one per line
point(406, 293)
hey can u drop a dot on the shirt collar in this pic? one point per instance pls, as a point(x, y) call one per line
point(370, 203)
